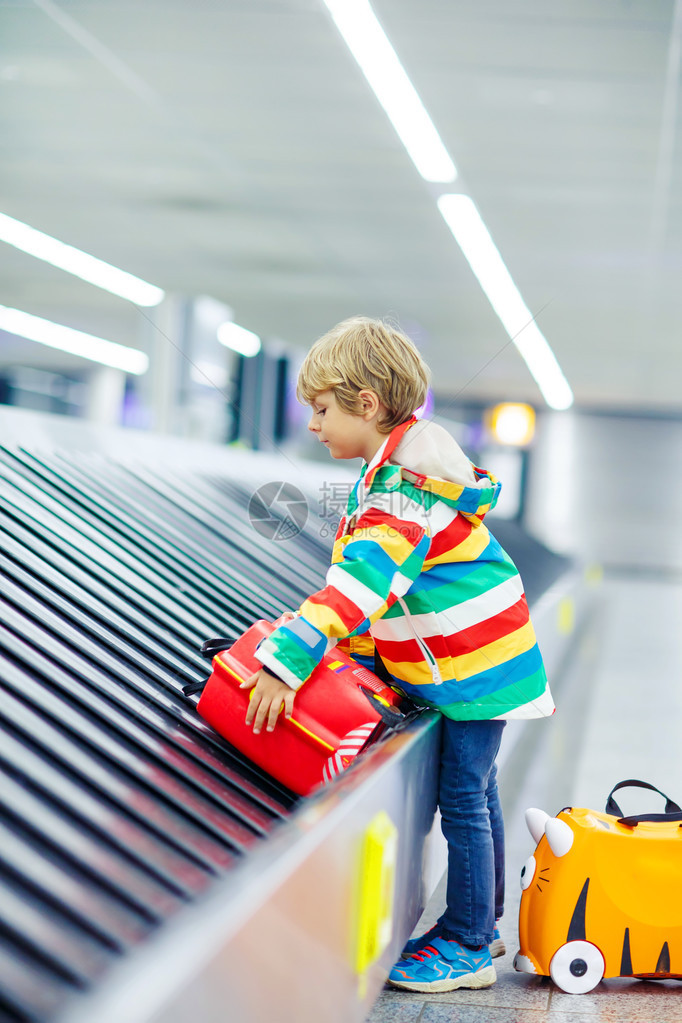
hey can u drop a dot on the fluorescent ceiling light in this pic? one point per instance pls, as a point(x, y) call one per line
point(380, 65)
point(239, 339)
point(54, 335)
point(472, 236)
point(78, 263)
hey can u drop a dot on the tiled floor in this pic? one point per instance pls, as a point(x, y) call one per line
point(619, 716)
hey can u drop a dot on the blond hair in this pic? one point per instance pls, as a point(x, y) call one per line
point(364, 354)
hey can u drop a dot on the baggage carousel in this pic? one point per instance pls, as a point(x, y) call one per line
point(148, 871)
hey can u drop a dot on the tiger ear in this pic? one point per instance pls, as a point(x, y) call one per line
point(536, 820)
point(559, 836)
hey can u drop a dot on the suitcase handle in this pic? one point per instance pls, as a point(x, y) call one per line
point(673, 812)
point(215, 646)
point(632, 822)
point(192, 688)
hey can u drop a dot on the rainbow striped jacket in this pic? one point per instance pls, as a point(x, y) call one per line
point(417, 573)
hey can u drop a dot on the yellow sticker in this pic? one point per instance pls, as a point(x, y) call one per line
point(375, 894)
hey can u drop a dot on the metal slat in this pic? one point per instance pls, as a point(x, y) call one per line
point(79, 957)
point(311, 540)
point(17, 507)
point(150, 555)
point(272, 559)
point(269, 563)
point(94, 773)
point(97, 854)
point(161, 539)
point(65, 533)
point(140, 648)
point(168, 586)
point(174, 713)
point(33, 763)
point(170, 786)
point(68, 609)
point(30, 548)
point(146, 546)
point(41, 559)
point(54, 880)
point(31, 989)
point(224, 548)
point(230, 795)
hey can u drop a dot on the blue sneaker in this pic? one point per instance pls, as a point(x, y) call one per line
point(444, 966)
point(497, 946)
point(417, 944)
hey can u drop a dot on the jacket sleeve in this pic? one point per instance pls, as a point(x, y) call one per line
point(378, 564)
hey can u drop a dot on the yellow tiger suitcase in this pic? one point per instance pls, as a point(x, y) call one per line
point(602, 895)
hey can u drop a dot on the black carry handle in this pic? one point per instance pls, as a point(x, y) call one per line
point(208, 649)
point(214, 646)
point(390, 715)
point(633, 821)
point(673, 812)
point(192, 688)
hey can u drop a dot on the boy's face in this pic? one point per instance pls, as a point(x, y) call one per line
point(347, 435)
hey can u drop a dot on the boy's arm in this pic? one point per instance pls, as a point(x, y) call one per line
point(379, 564)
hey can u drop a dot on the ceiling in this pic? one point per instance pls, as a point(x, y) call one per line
point(234, 149)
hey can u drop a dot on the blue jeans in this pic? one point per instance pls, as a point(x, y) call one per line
point(473, 827)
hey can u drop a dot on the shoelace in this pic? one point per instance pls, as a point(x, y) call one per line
point(425, 953)
point(429, 950)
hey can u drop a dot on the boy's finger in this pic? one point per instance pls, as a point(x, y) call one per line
point(248, 683)
point(289, 704)
point(273, 713)
point(261, 715)
point(251, 710)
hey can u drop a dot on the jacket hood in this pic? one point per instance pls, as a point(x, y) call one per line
point(432, 460)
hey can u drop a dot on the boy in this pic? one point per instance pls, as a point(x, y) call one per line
point(416, 574)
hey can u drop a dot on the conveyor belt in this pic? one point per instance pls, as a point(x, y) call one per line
point(118, 804)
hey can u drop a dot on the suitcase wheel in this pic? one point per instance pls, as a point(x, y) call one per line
point(577, 967)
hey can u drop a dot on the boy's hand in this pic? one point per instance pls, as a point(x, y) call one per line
point(267, 699)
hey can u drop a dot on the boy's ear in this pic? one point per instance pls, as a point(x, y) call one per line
point(369, 403)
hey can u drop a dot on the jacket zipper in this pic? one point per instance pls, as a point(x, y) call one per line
point(428, 656)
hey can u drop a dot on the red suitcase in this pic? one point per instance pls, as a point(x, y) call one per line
point(339, 711)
